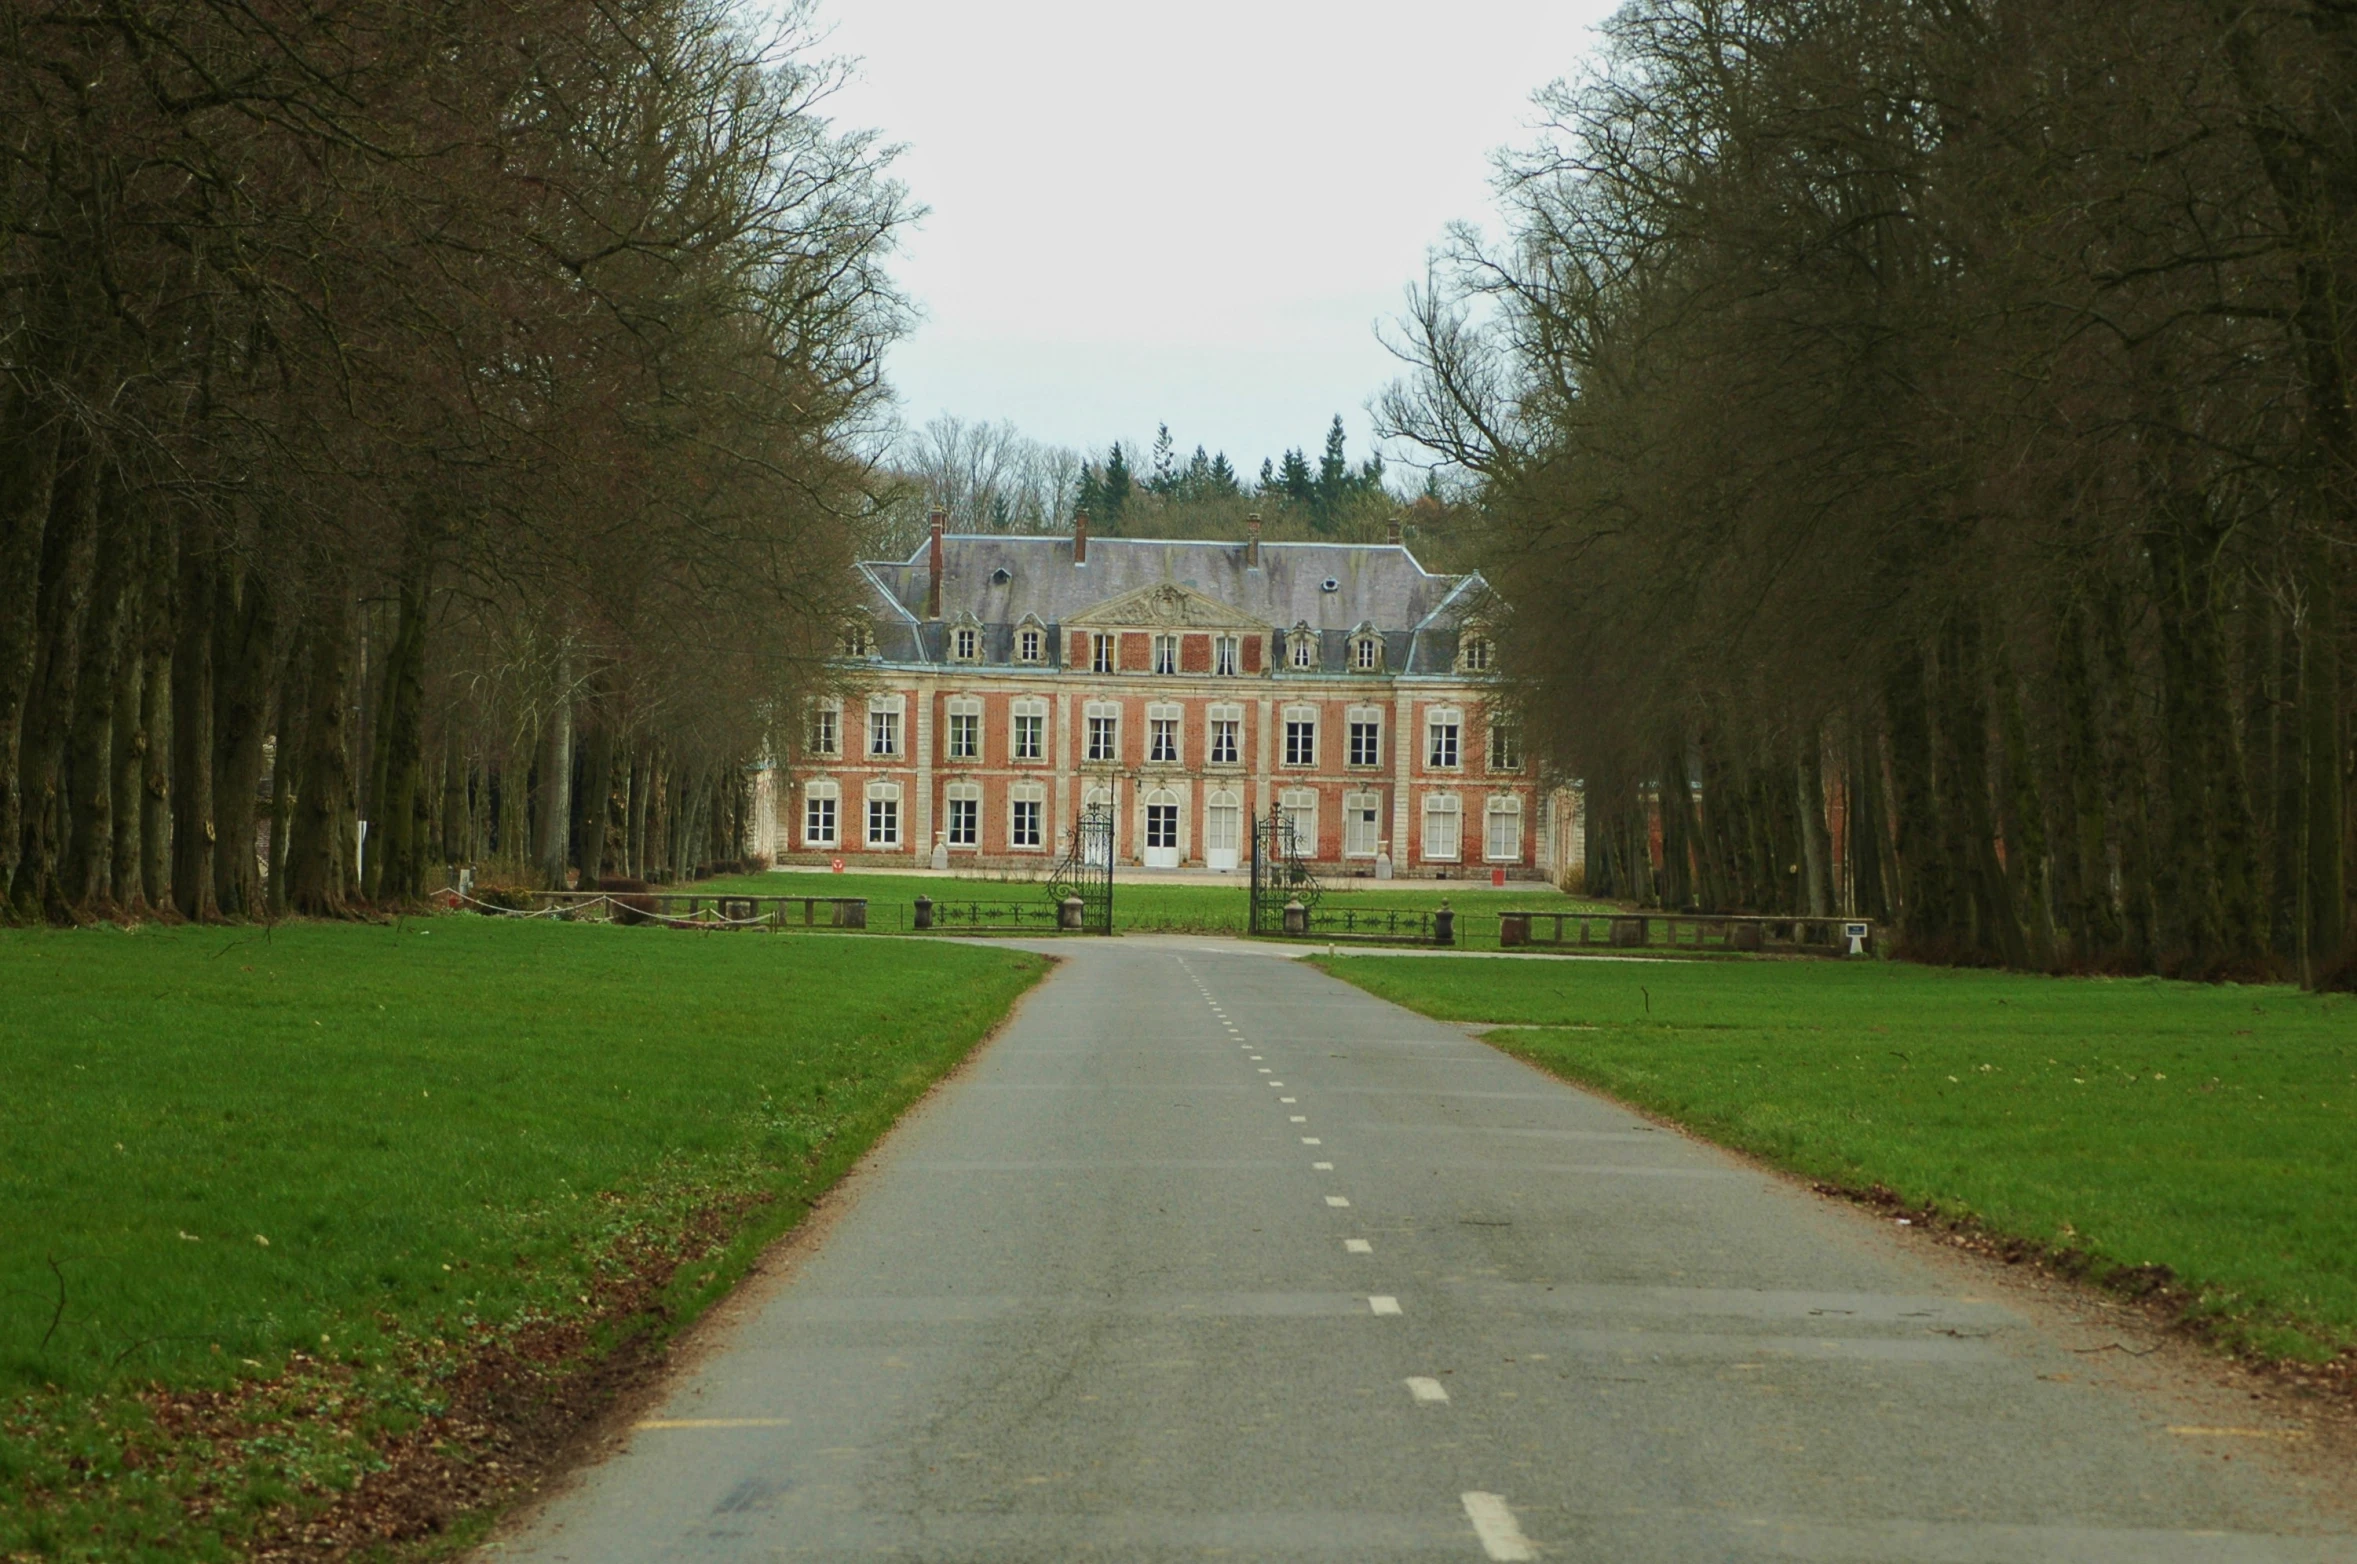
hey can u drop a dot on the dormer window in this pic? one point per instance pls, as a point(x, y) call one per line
point(1305, 647)
point(1473, 653)
point(1366, 652)
point(856, 641)
point(965, 643)
point(1030, 644)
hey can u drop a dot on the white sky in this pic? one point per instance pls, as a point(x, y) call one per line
point(1186, 212)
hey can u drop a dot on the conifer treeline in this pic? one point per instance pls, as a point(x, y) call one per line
point(1920, 441)
point(444, 416)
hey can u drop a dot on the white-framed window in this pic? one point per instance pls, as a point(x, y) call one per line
point(1443, 815)
point(820, 800)
point(1103, 731)
point(1227, 655)
point(1366, 653)
point(1030, 738)
point(1366, 736)
point(965, 727)
point(826, 729)
point(1026, 809)
point(1226, 727)
point(884, 725)
point(857, 640)
point(1101, 653)
point(1305, 648)
point(1030, 642)
point(1474, 652)
point(1299, 806)
point(965, 643)
point(1166, 654)
point(1223, 823)
point(1501, 835)
point(1362, 824)
point(1505, 744)
point(1442, 725)
point(1162, 819)
point(964, 825)
point(883, 800)
point(1162, 734)
point(1301, 735)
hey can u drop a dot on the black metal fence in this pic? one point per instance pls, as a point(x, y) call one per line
point(1086, 872)
point(1686, 931)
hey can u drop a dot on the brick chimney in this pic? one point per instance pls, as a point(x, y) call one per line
point(1252, 541)
point(1080, 537)
point(1392, 532)
point(933, 565)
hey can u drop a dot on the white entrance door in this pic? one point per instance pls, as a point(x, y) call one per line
point(1223, 832)
point(1162, 832)
point(1359, 826)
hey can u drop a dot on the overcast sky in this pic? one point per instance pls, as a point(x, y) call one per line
point(1188, 212)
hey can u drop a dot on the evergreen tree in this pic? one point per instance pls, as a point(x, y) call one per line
point(1164, 478)
point(1196, 483)
point(1223, 476)
point(1333, 470)
point(1268, 476)
point(1299, 484)
point(1114, 488)
point(1089, 498)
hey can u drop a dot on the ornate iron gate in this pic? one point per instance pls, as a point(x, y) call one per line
point(1280, 873)
point(1086, 871)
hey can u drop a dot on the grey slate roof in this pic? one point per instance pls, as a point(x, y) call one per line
point(1381, 584)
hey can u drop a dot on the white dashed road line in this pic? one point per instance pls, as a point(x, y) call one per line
point(1424, 1389)
point(1501, 1535)
point(1357, 1246)
point(1338, 1200)
point(1311, 1140)
point(1321, 1167)
point(1383, 1303)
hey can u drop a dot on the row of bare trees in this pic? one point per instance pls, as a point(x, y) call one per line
point(442, 416)
point(1919, 436)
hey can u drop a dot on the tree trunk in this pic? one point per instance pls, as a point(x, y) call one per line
point(395, 855)
point(556, 777)
point(321, 842)
point(28, 469)
point(155, 717)
point(2082, 858)
point(245, 634)
point(69, 545)
point(1868, 837)
point(1926, 889)
point(2324, 887)
point(2285, 894)
point(194, 833)
point(88, 882)
point(1816, 852)
point(2027, 864)
point(2129, 784)
point(128, 764)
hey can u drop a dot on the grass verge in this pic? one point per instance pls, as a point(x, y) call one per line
point(2161, 1134)
point(330, 1232)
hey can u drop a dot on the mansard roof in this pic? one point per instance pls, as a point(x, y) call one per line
point(1381, 582)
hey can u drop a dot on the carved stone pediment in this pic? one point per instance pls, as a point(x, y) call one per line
point(1168, 605)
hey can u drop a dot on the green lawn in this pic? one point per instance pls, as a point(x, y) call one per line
point(1213, 907)
point(2212, 1130)
point(371, 1144)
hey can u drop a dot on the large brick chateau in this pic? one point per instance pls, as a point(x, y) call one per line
point(997, 687)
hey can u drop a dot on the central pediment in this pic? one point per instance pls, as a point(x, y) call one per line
point(1167, 604)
